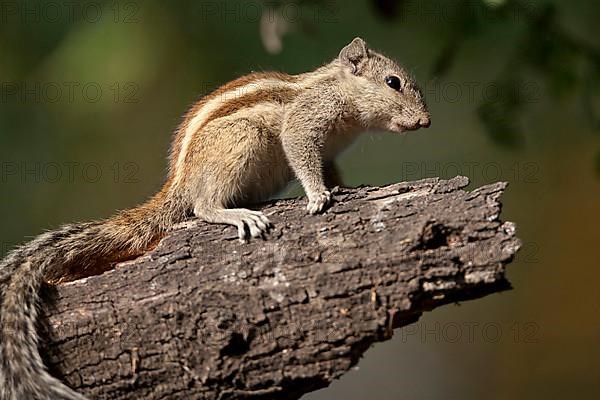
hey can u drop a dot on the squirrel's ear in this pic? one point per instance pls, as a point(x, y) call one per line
point(354, 53)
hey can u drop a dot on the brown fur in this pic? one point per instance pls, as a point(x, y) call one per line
point(227, 152)
point(236, 83)
point(278, 96)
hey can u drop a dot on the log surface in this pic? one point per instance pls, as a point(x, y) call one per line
point(203, 316)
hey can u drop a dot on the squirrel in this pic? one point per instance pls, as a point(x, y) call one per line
point(237, 146)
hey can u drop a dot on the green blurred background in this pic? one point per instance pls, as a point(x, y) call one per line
point(91, 91)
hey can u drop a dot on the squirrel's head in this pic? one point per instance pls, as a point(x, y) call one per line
point(386, 95)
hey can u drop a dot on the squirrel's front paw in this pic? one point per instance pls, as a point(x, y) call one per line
point(317, 202)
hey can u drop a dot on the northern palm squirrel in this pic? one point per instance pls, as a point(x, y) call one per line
point(237, 146)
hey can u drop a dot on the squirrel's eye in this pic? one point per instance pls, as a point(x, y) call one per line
point(393, 82)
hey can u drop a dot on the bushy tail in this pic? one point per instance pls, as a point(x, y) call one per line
point(23, 375)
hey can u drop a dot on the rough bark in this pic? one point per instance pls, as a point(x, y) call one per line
point(205, 317)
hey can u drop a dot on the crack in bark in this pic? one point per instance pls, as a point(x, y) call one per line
point(205, 317)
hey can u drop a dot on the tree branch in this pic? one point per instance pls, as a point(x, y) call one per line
point(205, 317)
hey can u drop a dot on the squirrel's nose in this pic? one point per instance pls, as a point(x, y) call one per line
point(424, 122)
